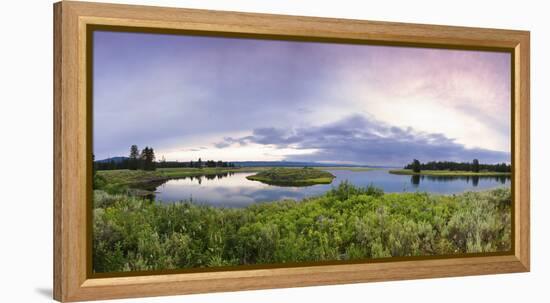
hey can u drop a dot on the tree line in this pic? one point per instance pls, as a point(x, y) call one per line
point(473, 166)
point(145, 160)
point(194, 164)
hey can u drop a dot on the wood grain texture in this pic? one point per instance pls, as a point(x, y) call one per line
point(70, 147)
point(69, 156)
point(521, 150)
point(57, 205)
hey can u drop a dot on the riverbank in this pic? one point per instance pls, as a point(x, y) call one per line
point(119, 181)
point(345, 223)
point(447, 173)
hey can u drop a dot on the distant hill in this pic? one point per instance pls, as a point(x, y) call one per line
point(113, 159)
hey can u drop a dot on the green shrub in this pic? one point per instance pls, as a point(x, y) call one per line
point(346, 223)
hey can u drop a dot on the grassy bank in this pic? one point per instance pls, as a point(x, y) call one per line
point(346, 223)
point(293, 176)
point(121, 181)
point(449, 173)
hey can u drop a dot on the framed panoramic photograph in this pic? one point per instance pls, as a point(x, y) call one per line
point(202, 151)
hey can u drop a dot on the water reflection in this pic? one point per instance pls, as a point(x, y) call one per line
point(232, 189)
point(199, 179)
point(416, 179)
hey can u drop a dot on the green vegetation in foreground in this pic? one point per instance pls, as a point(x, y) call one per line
point(346, 223)
point(449, 173)
point(283, 176)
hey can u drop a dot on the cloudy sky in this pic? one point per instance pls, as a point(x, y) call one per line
point(243, 99)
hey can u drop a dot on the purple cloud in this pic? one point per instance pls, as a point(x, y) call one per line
point(176, 93)
point(361, 140)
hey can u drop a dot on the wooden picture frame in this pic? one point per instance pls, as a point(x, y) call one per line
point(72, 278)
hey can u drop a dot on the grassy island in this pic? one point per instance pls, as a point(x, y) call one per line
point(448, 173)
point(293, 176)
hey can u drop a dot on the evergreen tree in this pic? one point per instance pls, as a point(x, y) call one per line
point(134, 158)
point(416, 166)
point(475, 165)
point(150, 159)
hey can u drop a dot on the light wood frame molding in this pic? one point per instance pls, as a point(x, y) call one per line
point(71, 146)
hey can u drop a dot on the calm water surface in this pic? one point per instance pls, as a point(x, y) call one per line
point(234, 190)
